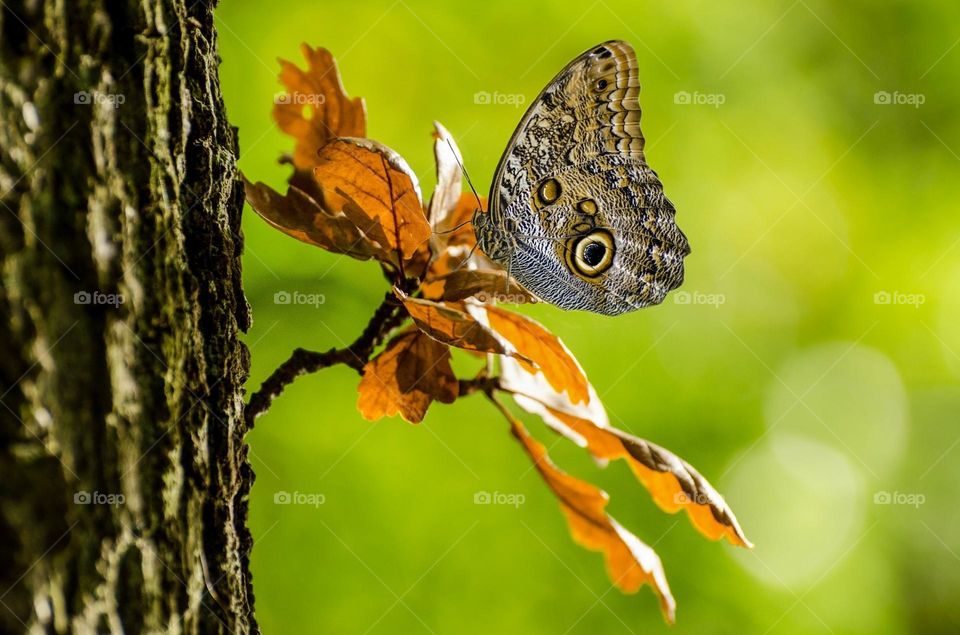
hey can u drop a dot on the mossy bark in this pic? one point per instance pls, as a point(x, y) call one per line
point(123, 470)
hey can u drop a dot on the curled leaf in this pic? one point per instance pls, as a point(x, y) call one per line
point(449, 180)
point(521, 383)
point(375, 188)
point(630, 562)
point(297, 214)
point(413, 371)
point(485, 285)
point(673, 483)
point(315, 109)
point(451, 326)
point(550, 356)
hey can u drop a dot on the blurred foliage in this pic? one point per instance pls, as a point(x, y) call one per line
point(812, 376)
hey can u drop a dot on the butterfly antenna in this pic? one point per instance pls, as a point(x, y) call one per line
point(465, 174)
point(450, 231)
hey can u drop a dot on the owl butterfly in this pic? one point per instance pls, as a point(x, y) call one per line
point(575, 213)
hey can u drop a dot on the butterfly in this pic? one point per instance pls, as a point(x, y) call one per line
point(576, 215)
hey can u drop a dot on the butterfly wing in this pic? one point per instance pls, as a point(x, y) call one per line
point(576, 214)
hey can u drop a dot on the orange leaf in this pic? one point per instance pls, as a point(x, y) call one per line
point(451, 326)
point(486, 285)
point(315, 108)
point(406, 377)
point(673, 483)
point(630, 562)
point(447, 193)
point(544, 348)
point(300, 216)
point(375, 188)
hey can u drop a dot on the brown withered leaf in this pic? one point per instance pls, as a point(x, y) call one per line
point(446, 195)
point(451, 326)
point(550, 356)
point(460, 214)
point(368, 181)
point(521, 383)
point(673, 483)
point(486, 285)
point(297, 214)
point(630, 562)
point(411, 372)
point(315, 108)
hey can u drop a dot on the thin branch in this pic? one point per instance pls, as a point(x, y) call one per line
point(387, 317)
point(482, 384)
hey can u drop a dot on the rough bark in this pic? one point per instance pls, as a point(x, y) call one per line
point(118, 180)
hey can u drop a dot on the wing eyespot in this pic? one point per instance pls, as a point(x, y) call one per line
point(587, 206)
point(549, 191)
point(590, 255)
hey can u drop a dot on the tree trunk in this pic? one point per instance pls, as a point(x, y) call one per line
point(123, 469)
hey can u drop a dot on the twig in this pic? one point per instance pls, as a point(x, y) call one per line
point(387, 317)
point(482, 384)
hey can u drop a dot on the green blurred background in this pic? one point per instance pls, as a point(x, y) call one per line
point(811, 376)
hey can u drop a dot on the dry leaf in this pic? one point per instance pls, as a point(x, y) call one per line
point(485, 285)
point(300, 216)
point(451, 326)
point(521, 383)
point(534, 342)
point(315, 108)
point(449, 180)
point(413, 371)
point(630, 562)
point(673, 483)
point(368, 181)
